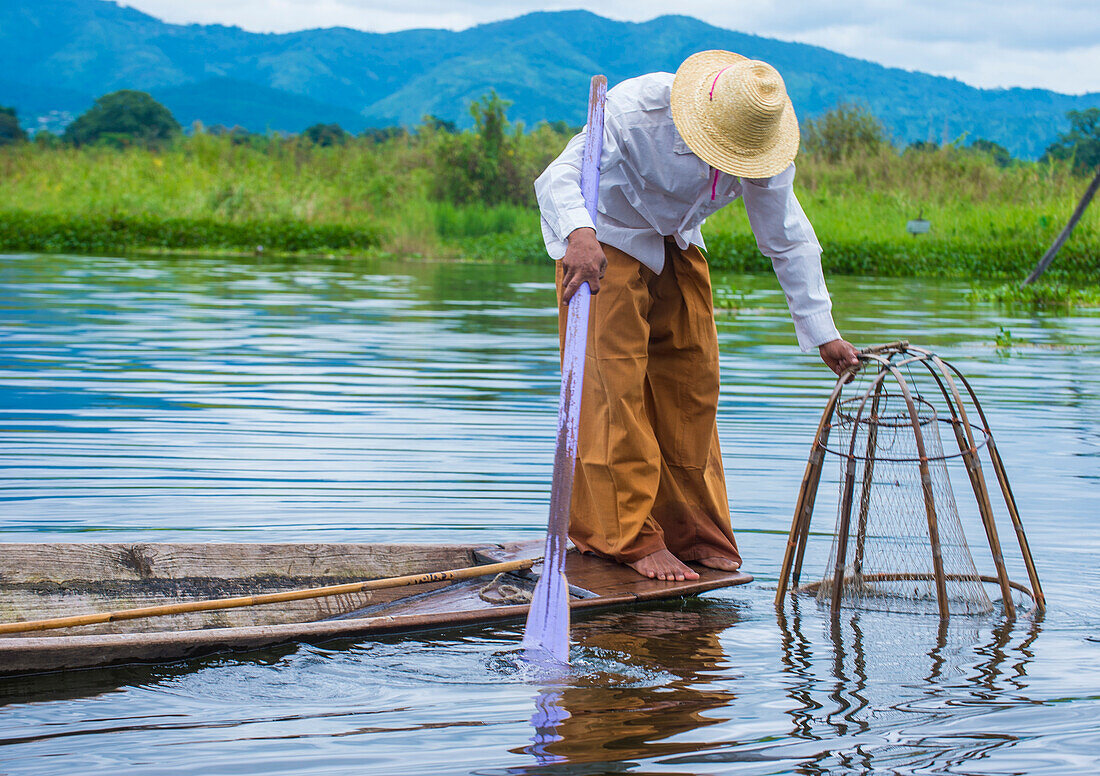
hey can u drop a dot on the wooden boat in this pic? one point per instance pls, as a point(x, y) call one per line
point(53, 580)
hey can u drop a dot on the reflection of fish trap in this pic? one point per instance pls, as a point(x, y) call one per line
point(899, 543)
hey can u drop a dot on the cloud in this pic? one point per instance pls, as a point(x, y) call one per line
point(979, 63)
point(1054, 26)
point(990, 43)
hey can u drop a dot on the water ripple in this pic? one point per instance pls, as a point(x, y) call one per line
point(215, 400)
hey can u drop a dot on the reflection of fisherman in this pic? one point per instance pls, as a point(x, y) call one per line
point(650, 489)
point(635, 716)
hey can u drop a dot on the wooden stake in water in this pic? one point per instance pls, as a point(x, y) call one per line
point(547, 631)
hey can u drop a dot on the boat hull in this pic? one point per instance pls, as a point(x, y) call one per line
point(52, 580)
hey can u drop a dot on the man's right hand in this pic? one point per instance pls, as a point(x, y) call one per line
point(583, 262)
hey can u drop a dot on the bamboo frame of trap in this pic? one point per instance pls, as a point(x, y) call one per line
point(889, 360)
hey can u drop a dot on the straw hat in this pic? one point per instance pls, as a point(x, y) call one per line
point(734, 114)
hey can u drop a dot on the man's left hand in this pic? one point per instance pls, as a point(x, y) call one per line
point(838, 355)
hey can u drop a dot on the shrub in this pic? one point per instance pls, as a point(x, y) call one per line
point(481, 166)
point(124, 118)
point(94, 234)
point(847, 130)
point(379, 135)
point(996, 152)
point(326, 134)
point(1081, 145)
point(10, 131)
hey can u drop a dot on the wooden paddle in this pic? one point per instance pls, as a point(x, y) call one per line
point(264, 598)
point(547, 630)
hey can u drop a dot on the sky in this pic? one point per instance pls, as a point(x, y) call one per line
point(1051, 44)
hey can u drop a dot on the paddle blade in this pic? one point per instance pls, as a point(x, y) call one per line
point(546, 637)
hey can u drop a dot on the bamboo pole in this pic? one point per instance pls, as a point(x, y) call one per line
point(807, 511)
point(1006, 490)
point(845, 519)
point(842, 530)
point(868, 480)
point(791, 567)
point(265, 598)
point(1052, 251)
point(977, 480)
point(807, 494)
point(813, 587)
point(968, 449)
point(1018, 526)
point(926, 487)
point(898, 346)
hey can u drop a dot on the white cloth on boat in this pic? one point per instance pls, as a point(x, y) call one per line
point(652, 186)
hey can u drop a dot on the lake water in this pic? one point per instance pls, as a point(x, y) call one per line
point(236, 400)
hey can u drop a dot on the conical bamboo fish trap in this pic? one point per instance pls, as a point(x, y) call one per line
point(899, 543)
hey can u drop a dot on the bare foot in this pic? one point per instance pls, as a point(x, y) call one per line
point(721, 563)
point(663, 565)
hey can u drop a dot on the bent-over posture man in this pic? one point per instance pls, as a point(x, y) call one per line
point(649, 489)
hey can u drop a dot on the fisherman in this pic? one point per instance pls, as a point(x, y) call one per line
point(649, 488)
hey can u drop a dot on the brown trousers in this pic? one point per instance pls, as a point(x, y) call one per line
point(649, 472)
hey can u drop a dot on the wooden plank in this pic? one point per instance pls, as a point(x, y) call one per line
point(57, 580)
point(65, 562)
point(234, 602)
point(20, 605)
point(613, 579)
point(604, 577)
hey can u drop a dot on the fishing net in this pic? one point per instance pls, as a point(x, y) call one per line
point(888, 543)
point(899, 544)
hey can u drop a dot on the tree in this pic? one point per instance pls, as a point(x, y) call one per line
point(1081, 145)
point(124, 118)
point(10, 131)
point(326, 134)
point(433, 123)
point(237, 134)
point(482, 166)
point(923, 147)
point(378, 135)
point(562, 127)
point(995, 151)
point(43, 138)
point(845, 131)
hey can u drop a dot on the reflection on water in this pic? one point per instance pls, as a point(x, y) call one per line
point(870, 672)
point(238, 400)
point(608, 722)
point(548, 716)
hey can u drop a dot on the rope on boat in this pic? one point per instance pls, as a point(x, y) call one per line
point(505, 593)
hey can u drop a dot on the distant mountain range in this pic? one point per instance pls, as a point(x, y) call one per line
point(57, 56)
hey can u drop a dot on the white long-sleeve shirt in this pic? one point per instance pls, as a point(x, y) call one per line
point(652, 186)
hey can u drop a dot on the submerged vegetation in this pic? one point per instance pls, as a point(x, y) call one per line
point(1040, 296)
point(435, 191)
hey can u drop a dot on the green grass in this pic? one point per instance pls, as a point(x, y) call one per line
point(95, 234)
point(209, 193)
point(987, 222)
point(1039, 296)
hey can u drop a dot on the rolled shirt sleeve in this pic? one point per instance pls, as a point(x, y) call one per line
point(558, 189)
point(561, 203)
point(784, 235)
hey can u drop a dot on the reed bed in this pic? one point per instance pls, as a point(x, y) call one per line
point(216, 193)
